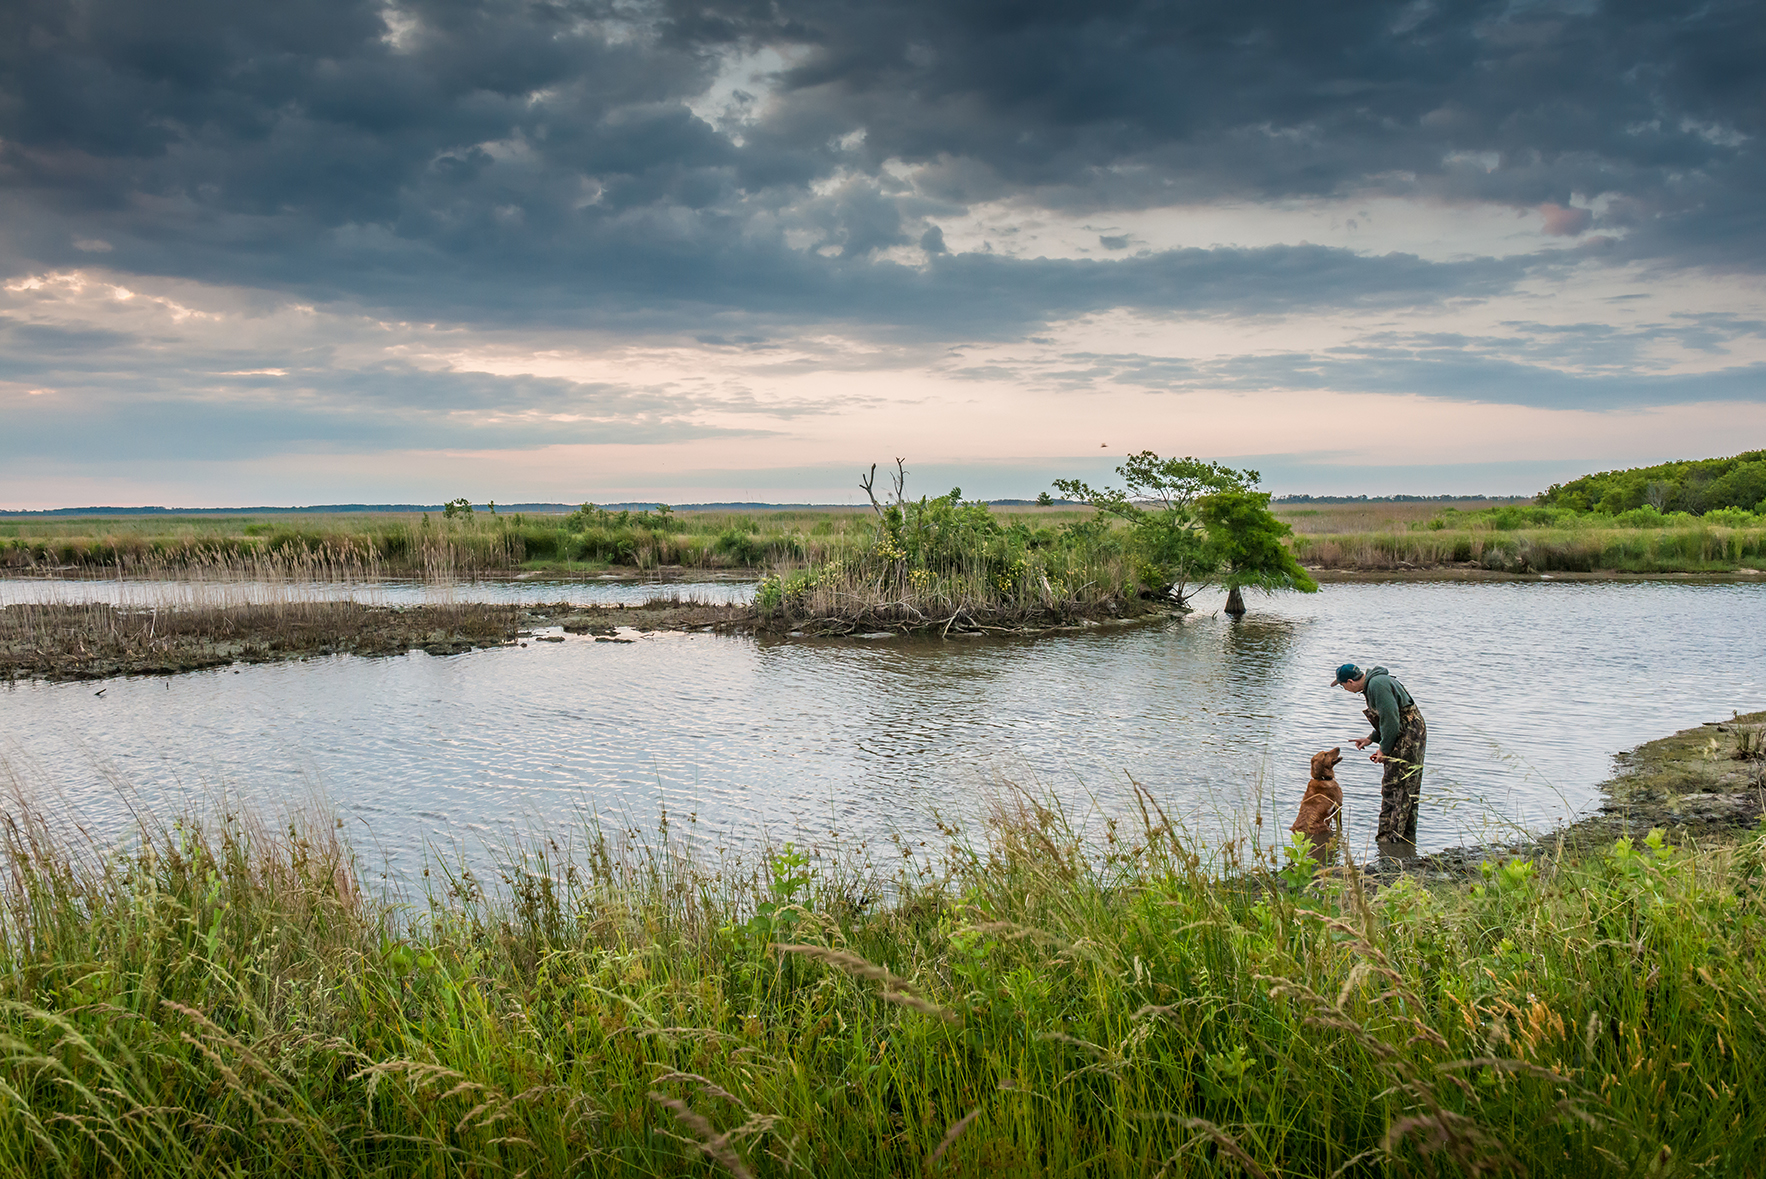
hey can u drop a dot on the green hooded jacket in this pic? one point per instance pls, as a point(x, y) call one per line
point(1387, 697)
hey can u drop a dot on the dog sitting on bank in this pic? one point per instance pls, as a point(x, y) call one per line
point(1323, 799)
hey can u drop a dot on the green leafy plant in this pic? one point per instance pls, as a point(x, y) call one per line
point(1245, 546)
point(1160, 504)
point(1194, 523)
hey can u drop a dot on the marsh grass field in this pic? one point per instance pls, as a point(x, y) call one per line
point(1523, 539)
point(231, 999)
point(591, 540)
point(831, 570)
point(1495, 535)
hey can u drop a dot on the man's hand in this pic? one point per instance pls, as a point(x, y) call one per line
point(1376, 757)
point(1363, 742)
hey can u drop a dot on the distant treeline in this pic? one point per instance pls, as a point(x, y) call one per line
point(1695, 486)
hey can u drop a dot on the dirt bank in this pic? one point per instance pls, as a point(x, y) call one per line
point(87, 642)
point(1700, 785)
point(1701, 782)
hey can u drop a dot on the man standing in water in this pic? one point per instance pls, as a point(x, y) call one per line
point(1401, 736)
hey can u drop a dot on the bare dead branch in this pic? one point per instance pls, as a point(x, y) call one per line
point(868, 483)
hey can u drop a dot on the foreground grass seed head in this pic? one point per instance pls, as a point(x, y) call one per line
point(223, 999)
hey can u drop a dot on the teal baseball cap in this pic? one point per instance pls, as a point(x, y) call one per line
point(1346, 673)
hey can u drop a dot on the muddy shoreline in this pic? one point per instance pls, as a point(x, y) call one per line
point(88, 642)
point(1702, 785)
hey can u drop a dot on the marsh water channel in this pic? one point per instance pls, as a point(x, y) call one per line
point(1528, 688)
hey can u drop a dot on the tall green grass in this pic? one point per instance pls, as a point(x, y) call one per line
point(942, 564)
point(327, 547)
point(1687, 548)
point(1527, 538)
point(834, 551)
point(228, 1000)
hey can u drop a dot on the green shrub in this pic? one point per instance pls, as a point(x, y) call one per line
point(1733, 518)
point(740, 546)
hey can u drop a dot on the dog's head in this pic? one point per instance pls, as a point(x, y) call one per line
point(1322, 762)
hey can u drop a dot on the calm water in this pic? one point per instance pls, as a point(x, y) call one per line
point(1528, 690)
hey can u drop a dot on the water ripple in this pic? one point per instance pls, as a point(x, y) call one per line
point(1528, 690)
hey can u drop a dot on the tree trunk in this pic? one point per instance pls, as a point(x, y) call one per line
point(1235, 602)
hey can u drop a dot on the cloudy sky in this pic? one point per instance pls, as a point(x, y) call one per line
point(323, 251)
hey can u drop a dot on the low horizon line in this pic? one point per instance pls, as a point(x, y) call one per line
point(649, 505)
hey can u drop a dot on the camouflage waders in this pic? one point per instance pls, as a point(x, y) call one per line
point(1402, 783)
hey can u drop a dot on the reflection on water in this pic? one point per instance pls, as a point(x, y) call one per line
point(1528, 690)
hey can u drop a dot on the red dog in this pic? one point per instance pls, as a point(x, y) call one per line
point(1323, 800)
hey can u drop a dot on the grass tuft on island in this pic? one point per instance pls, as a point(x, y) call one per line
point(226, 999)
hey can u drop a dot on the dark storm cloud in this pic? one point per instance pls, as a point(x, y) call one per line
point(454, 159)
point(1448, 368)
point(43, 344)
point(1470, 376)
point(1122, 102)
